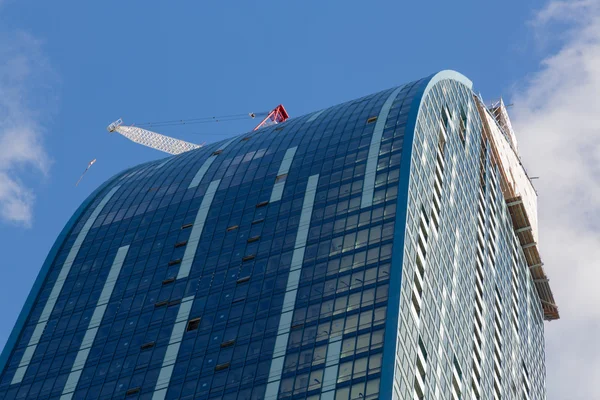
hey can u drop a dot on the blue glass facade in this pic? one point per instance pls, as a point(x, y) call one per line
point(294, 262)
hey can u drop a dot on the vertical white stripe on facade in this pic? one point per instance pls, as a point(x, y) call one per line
point(289, 301)
point(332, 362)
point(166, 370)
point(372, 158)
point(94, 324)
point(56, 289)
point(206, 165)
point(162, 164)
point(192, 245)
point(284, 168)
point(164, 377)
point(134, 173)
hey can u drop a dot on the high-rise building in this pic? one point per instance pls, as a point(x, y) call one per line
point(384, 248)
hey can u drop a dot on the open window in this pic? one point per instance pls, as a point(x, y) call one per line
point(193, 324)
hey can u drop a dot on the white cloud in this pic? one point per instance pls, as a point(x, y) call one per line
point(25, 88)
point(557, 118)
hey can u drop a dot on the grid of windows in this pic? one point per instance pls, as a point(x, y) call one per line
point(260, 267)
point(466, 289)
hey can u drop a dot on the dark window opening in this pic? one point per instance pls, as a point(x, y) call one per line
point(221, 367)
point(168, 280)
point(148, 345)
point(416, 304)
point(281, 178)
point(258, 221)
point(463, 126)
point(133, 391)
point(193, 324)
point(253, 239)
point(232, 228)
point(446, 117)
point(228, 343)
point(216, 153)
point(187, 226)
point(175, 262)
point(180, 244)
point(174, 302)
point(423, 349)
point(242, 280)
point(248, 257)
point(371, 120)
point(161, 303)
point(262, 204)
point(441, 142)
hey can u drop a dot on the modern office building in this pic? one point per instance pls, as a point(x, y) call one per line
point(384, 248)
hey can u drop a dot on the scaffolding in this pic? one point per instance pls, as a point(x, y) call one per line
point(498, 110)
point(519, 194)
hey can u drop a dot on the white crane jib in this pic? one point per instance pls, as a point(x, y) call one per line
point(152, 139)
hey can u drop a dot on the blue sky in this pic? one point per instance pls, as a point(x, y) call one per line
point(69, 69)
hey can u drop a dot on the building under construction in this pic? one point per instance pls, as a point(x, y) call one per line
point(296, 260)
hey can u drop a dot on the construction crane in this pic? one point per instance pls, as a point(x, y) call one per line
point(276, 116)
point(171, 145)
point(86, 170)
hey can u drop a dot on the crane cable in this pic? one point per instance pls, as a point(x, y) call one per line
point(203, 120)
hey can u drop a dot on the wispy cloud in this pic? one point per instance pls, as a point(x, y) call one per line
point(557, 117)
point(25, 101)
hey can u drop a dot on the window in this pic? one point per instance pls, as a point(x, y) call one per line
point(280, 178)
point(180, 244)
point(360, 368)
point(186, 226)
point(174, 262)
point(168, 280)
point(133, 391)
point(193, 324)
point(463, 126)
point(148, 345)
point(446, 117)
point(232, 228)
point(262, 204)
point(253, 239)
point(371, 120)
point(221, 367)
point(375, 363)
